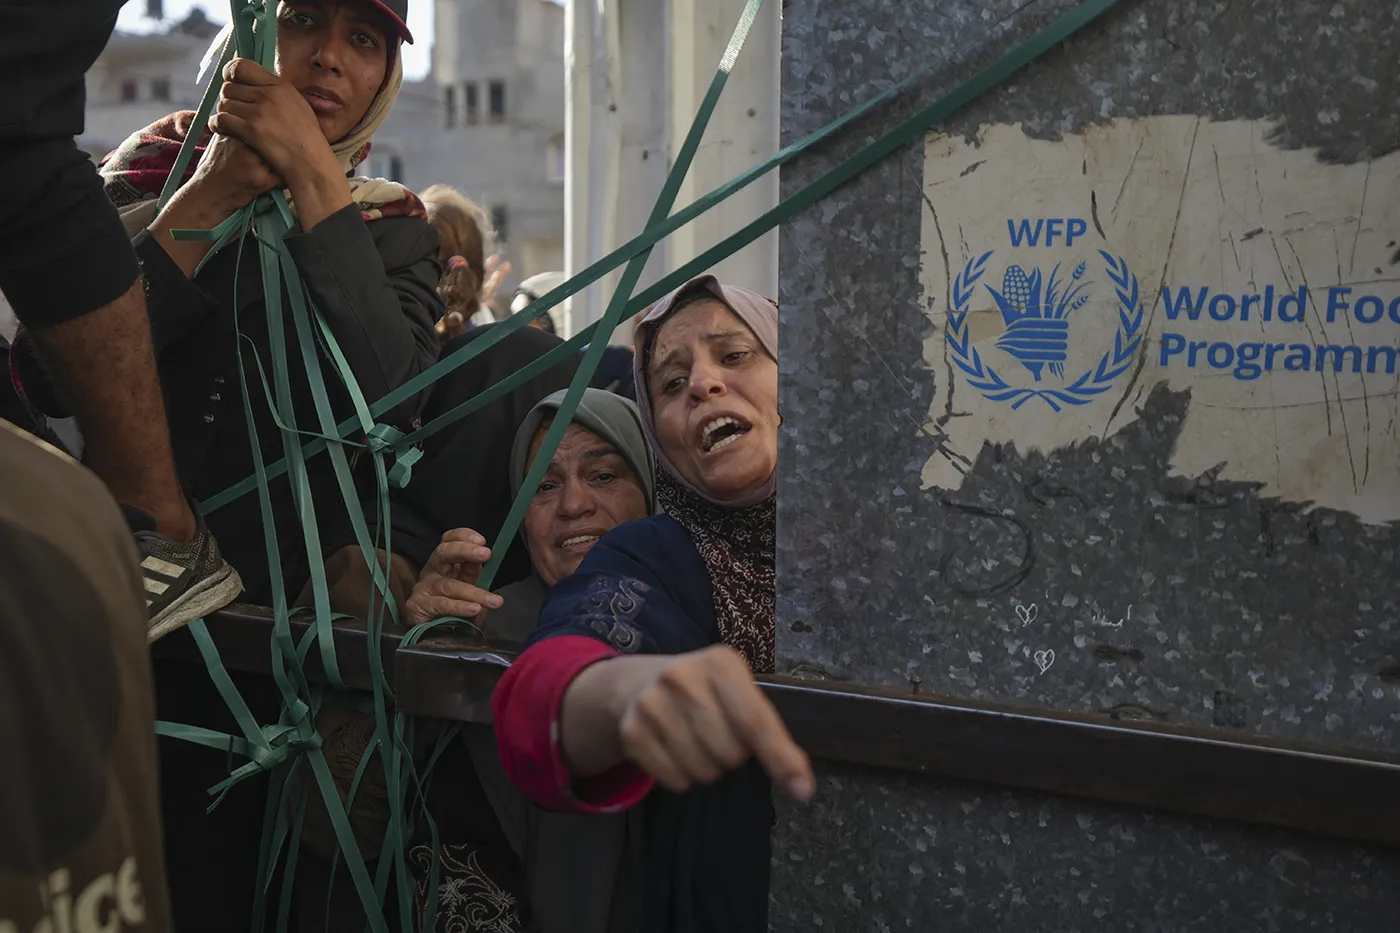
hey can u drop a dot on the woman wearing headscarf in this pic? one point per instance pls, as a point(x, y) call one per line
point(582, 497)
point(640, 671)
point(362, 246)
point(564, 868)
point(368, 257)
point(503, 863)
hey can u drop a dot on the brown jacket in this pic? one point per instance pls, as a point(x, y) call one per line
point(80, 837)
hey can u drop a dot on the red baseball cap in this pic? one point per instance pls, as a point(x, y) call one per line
point(397, 11)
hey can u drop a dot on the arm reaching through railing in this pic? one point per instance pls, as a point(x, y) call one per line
point(683, 719)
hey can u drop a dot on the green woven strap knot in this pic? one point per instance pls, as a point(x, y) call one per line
point(385, 438)
point(282, 743)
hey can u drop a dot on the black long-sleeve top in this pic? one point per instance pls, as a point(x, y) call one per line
point(63, 252)
point(375, 283)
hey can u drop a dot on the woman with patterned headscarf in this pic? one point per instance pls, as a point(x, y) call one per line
point(640, 671)
point(367, 255)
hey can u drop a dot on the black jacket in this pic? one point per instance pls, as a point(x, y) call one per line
point(376, 285)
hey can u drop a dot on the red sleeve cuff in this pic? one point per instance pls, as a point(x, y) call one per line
point(526, 707)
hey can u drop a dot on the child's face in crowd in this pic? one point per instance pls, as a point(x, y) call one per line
point(588, 491)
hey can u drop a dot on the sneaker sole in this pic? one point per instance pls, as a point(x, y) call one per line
point(212, 593)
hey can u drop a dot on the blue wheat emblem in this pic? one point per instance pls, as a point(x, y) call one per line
point(1037, 330)
point(1037, 325)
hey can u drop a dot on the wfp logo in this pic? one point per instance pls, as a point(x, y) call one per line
point(1037, 334)
point(1038, 309)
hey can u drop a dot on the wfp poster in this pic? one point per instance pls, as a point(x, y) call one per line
point(1066, 279)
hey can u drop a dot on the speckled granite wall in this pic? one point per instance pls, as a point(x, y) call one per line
point(1249, 613)
point(883, 853)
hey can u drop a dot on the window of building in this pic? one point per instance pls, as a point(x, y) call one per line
point(471, 94)
point(449, 102)
point(555, 161)
point(160, 89)
point(386, 164)
point(499, 218)
point(497, 92)
point(129, 90)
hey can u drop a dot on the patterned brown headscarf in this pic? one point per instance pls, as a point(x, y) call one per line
point(737, 540)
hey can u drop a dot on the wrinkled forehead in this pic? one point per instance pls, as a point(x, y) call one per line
point(578, 441)
point(697, 322)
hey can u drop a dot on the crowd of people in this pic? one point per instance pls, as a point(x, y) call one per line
point(627, 780)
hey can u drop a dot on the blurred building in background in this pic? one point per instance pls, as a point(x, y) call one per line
point(140, 78)
point(489, 120)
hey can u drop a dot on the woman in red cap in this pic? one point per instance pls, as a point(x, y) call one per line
point(365, 251)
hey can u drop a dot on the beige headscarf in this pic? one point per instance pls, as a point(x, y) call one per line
point(760, 314)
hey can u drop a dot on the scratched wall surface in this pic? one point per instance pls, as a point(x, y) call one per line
point(1092, 577)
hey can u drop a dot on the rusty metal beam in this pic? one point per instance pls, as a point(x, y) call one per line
point(1333, 791)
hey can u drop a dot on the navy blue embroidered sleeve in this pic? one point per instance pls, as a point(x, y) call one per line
point(642, 589)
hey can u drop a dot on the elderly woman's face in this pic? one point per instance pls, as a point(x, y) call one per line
point(336, 53)
point(714, 391)
point(588, 491)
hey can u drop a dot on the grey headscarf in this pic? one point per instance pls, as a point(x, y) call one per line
point(614, 419)
point(611, 417)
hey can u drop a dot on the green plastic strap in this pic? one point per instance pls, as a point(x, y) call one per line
point(209, 738)
point(201, 120)
point(284, 904)
point(270, 230)
point(379, 438)
point(244, 15)
point(389, 439)
point(312, 367)
point(229, 224)
point(219, 675)
point(267, 849)
point(283, 649)
point(535, 368)
point(391, 750)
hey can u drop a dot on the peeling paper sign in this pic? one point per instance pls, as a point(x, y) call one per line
point(1067, 279)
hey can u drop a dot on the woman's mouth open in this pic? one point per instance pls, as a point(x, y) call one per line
point(578, 543)
point(719, 433)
